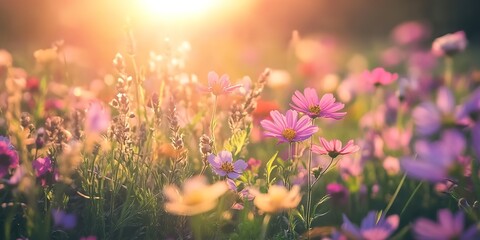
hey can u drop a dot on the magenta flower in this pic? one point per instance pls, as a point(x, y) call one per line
point(371, 227)
point(308, 103)
point(449, 44)
point(288, 128)
point(42, 166)
point(8, 157)
point(334, 148)
point(409, 32)
point(218, 86)
point(338, 193)
point(449, 226)
point(253, 164)
point(378, 77)
point(223, 165)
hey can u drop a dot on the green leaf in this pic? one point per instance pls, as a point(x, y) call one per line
point(235, 143)
point(270, 167)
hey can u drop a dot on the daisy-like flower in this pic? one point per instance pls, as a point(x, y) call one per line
point(449, 226)
point(218, 85)
point(196, 196)
point(449, 44)
point(42, 166)
point(371, 227)
point(277, 199)
point(288, 128)
point(8, 158)
point(223, 165)
point(378, 77)
point(334, 148)
point(308, 103)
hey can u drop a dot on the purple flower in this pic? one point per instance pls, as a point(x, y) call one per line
point(429, 117)
point(218, 86)
point(450, 44)
point(308, 103)
point(42, 166)
point(471, 108)
point(223, 165)
point(288, 128)
point(449, 226)
point(97, 119)
point(434, 159)
point(476, 139)
point(63, 219)
point(8, 158)
point(371, 228)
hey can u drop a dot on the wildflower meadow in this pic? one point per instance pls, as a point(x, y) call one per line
point(380, 143)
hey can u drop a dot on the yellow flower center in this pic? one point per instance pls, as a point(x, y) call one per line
point(315, 109)
point(227, 167)
point(289, 134)
point(217, 89)
point(193, 198)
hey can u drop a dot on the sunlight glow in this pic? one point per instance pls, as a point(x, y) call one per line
point(178, 8)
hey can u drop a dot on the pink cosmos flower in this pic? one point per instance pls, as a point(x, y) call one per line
point(449, 44)
point(218, 85)
point(334, 148)
point(288, 128)
point(449, 226)
point(223, 165)
point(379, 76)
point(308, 103)
point(409, 32)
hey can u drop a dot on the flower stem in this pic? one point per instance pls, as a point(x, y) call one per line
point(395, 195)
point(212, 124)
point(448, 71)
point(309, 185)
point(266, 220)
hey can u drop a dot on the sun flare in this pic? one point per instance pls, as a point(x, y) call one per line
point(178, 8)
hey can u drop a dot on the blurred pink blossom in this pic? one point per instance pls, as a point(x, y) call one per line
point(449, 44)
point(410, 32)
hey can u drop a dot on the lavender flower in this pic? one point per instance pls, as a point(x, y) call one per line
point(449, 226)
point(288, 128)
point(371, 228)
point(63, 219)
point(223, 165)
point(434, 158)
point(429, 117)
point(308, 103)
point(8, 158)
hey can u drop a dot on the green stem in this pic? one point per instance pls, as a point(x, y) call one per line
point(266, 220)
point(212, 124)
point(448, 71)
point(390, 203)
point(309, 185)
point(411, 198)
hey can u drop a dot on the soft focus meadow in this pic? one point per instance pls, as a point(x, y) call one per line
point(382, 143)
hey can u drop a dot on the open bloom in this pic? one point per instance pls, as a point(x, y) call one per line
point(196, 196)
point(449, 44)
point(288, 128)
point(223, 165)
point(277, 199)
point(378, 77)
point(371, 228)
point(218, 85)
point(334, 148)
point(308, 103)
point(42, 166)
point(449, 226)
point(8, 158)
